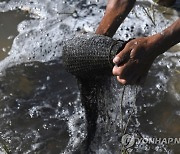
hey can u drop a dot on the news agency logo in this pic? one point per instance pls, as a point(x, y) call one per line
point(129, 140)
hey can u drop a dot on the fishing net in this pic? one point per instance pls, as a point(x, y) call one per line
point(90, 55)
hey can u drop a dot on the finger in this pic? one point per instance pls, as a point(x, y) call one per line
point(131, 78)
point(122, 81)
point(133, 52)
point(128, 78)
point(122, 56)
point(118, 71)
point(128, 81)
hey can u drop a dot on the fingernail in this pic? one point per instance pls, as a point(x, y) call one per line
point(116, 60)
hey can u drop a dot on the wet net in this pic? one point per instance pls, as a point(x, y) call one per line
point(90, 55)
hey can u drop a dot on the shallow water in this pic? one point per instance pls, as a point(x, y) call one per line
point(40, 106)
point(8, 29)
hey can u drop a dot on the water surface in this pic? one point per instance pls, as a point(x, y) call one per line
point(40, 105)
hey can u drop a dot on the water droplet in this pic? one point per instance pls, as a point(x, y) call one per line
point(43, 87)
point(4, 49)
point(150, 122)
point(48, 78)
point(10, 37)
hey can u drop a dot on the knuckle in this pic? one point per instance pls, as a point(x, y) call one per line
point(115, 72)
point(123, 83)
point(131, 43)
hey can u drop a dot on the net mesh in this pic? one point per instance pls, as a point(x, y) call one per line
point(89, 55)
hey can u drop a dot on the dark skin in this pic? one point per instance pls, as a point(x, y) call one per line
point(134, 61)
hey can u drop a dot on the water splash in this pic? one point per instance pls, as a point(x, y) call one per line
point(40, 93)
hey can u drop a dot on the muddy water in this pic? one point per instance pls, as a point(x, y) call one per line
point(40, 105)
point(8, 29)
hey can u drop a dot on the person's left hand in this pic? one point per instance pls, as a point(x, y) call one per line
point(134, 61)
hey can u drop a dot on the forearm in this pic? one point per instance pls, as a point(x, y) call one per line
point(116, 12)
point(172, 34)
point(167, 38)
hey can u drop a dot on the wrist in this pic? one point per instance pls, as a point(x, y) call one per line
point(156, 43)
point(167, 38)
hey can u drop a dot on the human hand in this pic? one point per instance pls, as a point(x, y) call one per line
point(134, 61)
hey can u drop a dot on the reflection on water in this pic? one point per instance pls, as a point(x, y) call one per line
point(40, 106)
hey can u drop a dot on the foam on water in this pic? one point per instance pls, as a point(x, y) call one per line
point(40, 39)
